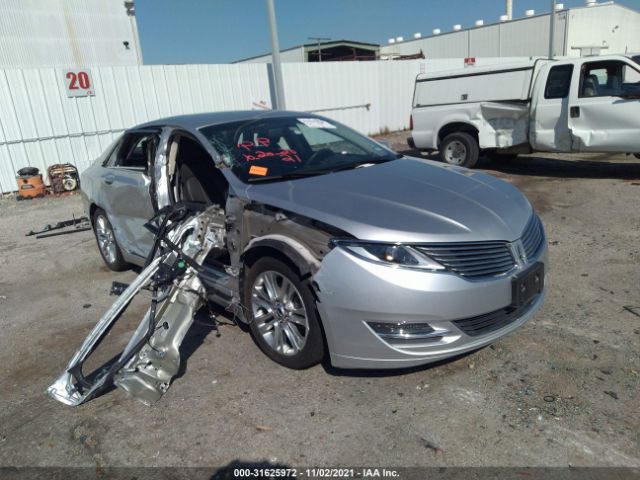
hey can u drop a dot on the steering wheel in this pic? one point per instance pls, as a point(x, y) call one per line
point(319, 156)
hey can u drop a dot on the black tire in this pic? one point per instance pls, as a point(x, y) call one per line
point(460, 149)
point(637, 155)
point(500, 157)
point(115, 261)
point(312, 350)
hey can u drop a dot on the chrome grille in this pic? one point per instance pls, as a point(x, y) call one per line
point(532, 237)
point(476, 259)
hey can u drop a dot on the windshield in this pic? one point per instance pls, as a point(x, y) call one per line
point(636, 58)
point(289, 147)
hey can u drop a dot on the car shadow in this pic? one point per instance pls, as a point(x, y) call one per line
point(538, 165)
point(392, 372)
point(202, 327)
point(598, 167)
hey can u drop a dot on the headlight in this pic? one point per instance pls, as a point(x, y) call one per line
point(390, 254)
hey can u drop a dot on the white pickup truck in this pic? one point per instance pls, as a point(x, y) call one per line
point(589, 104)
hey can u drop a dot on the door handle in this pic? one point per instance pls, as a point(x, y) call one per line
point(574, 112)
point(108, 180)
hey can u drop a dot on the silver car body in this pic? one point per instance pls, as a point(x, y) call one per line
point(408, 201)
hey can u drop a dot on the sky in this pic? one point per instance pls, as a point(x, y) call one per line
point(221, 31)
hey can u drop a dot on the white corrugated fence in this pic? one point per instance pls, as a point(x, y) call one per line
point(41, 126)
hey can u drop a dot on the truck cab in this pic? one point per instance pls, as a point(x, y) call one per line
point(589, 104)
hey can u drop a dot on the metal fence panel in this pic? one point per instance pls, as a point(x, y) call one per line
point(41, 126)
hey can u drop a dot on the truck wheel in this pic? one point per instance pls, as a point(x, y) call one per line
point(498, 157)
point(107, 244)
point(282, 314)
point(460, 149)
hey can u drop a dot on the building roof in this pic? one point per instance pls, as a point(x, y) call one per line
point(312, 45)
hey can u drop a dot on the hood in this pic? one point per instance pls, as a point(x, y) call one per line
point(406, 200)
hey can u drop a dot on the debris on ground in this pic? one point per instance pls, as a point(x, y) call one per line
point(80, 224)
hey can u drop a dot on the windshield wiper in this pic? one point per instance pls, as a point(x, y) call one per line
point(290, 175)
point(324, 171)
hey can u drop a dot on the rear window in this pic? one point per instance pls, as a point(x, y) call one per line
point(558, 82)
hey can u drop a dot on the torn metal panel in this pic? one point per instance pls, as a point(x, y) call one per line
point(311, 236)
point(505, 125)
point(151, 358)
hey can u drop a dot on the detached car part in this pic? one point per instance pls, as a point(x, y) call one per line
point(151, 358)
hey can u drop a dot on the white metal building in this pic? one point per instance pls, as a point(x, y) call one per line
point(68, 33)
point(612, 27)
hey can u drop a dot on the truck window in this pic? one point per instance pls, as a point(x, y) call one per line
point(558, 82)
point(630, 81)
point(608, 79)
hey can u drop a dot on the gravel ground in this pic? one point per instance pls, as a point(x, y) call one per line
point(562, 390)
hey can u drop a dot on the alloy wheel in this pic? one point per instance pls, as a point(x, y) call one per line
point(279, 313)
point(106, 240)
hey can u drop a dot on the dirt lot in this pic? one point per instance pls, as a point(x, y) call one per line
point(563, 390)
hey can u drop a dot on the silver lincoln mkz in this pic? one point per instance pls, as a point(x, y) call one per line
point(333, 243)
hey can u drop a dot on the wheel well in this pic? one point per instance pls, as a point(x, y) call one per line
point(92, 210)
point(457, 127)
point(256, 253)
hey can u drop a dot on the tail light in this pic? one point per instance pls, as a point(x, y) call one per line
point(410, 122)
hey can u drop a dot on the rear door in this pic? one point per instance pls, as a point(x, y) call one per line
point(550, 115)
point(604, 112)
point(126, 184)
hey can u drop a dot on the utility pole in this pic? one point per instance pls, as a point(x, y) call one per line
point(552, 29)
point(319, 39)
point(275, 54)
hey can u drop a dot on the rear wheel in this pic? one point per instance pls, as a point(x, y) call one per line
point(107, 244)
point(637, 155)
point(282, 314)
point(461, 149)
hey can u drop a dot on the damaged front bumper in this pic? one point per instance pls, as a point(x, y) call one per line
point(151, 358)
point(379, 317)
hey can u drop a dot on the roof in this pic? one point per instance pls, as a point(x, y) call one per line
point(330, 43)
point(196, 121)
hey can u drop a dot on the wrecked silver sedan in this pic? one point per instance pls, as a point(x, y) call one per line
point(321, 240)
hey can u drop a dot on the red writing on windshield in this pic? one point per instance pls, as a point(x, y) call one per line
point(288, 155)
point(254, 151)
point(260, 142)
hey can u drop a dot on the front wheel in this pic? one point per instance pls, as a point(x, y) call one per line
point(282, 314)
point(461, 149)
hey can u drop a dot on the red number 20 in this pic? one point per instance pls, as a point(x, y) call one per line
point(81, 79)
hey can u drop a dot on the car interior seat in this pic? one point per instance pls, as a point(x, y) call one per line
point(591, 86)
point(198, 179)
